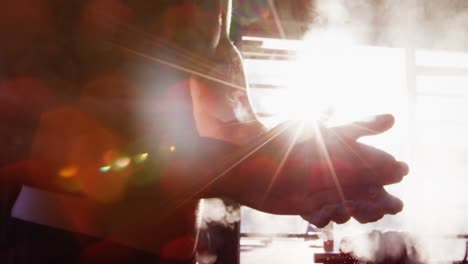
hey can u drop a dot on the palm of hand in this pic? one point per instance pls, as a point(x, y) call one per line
point(330, 177)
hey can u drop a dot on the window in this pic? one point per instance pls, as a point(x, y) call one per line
point(427, 91)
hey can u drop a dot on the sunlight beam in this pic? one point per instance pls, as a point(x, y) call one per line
point(233, 161)
point(282, 162)
point(181, 68)
point(324, 152)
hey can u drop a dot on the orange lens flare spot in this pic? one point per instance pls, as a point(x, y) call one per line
point(109, 156)
point(68, 172)
point(172, 148)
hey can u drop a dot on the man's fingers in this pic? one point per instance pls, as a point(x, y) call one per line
point(373, 126)
point(316, 201)
point(389, 203)
point(367, 212)
point(364, 203)
point(338, 213)
point(366, 156)
point(374, 203)
point(349, 176)
point(390, 174)
point(319, 219)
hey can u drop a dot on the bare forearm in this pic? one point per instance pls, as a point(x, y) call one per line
point(221, 168)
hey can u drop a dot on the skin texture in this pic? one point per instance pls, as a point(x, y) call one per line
point(303, 182)
point(85, 79)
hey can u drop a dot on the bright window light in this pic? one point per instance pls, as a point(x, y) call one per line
point(323, 78)
point(352, 81)
point(442, 59)
point(427, 93)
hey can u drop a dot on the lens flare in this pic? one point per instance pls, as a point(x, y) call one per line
point(105, 168)
point(121, 163)
point(140, 158)
point(68, 172)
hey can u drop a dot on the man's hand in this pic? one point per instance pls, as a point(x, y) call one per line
point(365, 203)
point(329, 177)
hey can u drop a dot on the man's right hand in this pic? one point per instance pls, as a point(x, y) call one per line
point(329, 177)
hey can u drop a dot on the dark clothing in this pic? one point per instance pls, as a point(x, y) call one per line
point(25, 242)
point(33, 243)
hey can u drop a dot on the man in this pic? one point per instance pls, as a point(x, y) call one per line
point(133, 124)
